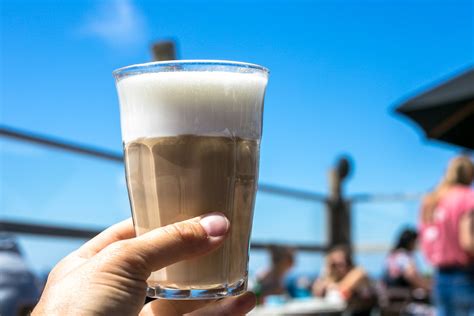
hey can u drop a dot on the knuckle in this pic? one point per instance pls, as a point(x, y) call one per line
point(188, 233)
point(123, 256)
point(118, 248)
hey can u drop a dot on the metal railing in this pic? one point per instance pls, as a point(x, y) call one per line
point(111, 156)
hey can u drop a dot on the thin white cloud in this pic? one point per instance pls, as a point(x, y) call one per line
point(117, 22)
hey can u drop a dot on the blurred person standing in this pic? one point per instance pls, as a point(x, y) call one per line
point(342, 280)
point(19, 290)
point(447, 238)
point(271, 282)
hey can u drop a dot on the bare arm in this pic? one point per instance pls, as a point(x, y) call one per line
point(352, 280)
point(466, 232)
point(416, 280)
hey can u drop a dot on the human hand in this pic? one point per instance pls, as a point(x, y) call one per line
point(319, 287)
point(107, 275)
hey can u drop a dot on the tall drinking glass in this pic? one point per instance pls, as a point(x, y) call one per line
point(191, 134)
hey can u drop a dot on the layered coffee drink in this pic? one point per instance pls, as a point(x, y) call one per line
point(186, 176)
point(191, 144)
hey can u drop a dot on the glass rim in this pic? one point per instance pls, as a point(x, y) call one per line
point(117, 73)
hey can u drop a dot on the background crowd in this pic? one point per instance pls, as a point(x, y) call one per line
point(446, 236)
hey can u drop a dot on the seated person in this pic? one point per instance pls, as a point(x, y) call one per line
point(400, 269)
point(271, 281)
point(342, 280)
point(402, 285)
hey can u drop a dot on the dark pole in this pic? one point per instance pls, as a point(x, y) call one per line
point(164, 50)
point(338, 207)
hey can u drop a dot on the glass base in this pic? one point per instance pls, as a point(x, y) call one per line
point(198, 294)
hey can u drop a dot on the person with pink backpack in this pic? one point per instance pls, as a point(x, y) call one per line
point(447, 238)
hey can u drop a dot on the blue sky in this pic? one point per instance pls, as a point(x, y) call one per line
point(337, 70)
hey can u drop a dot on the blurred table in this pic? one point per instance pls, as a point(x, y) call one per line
point(309, 306)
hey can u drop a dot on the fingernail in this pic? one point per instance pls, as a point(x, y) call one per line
point(215, 224)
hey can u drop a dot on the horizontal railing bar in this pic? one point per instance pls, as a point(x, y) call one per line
point(47, 230)
point(372, 248)
point(82, 233)
point(389, 197)
point(292, 193)
point(60, 144)
point(255, 245)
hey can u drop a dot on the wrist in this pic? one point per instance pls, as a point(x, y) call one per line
point(345, 294)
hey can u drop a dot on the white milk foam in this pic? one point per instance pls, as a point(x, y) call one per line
point(191, 102)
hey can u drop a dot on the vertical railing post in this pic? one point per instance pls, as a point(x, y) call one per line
point(338, 207)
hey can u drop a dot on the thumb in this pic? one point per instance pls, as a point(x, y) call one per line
point(172, 243)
